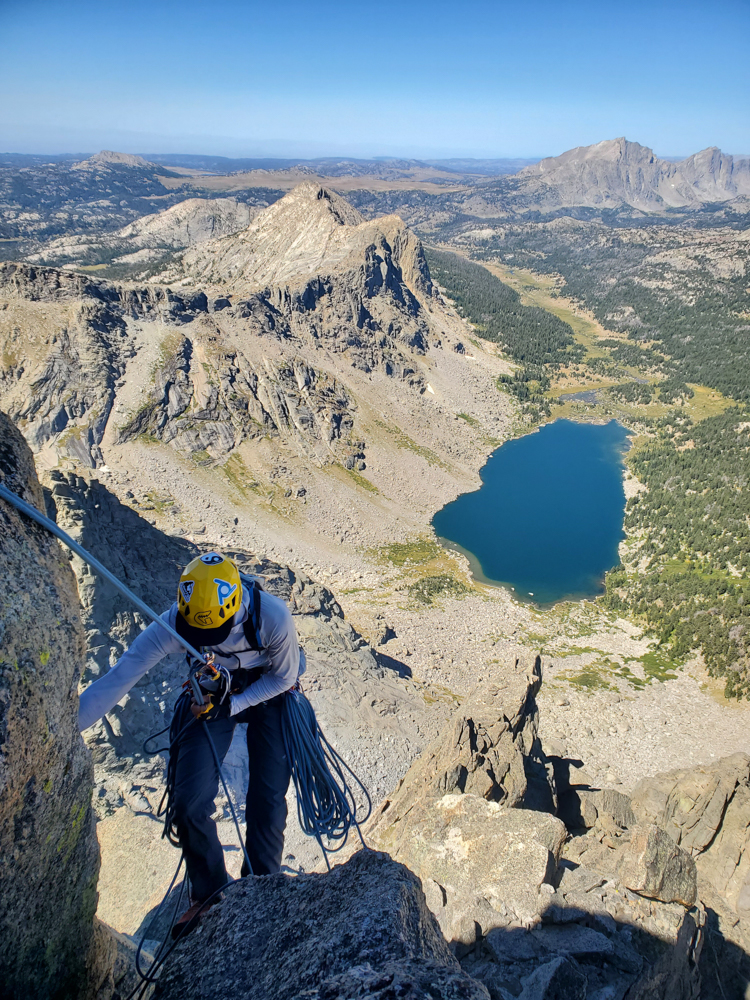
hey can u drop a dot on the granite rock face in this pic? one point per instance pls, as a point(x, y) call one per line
point(706, 811)
point(286, 399)
point(486, 751)
point(62, 375)
point(63, 360)
point(526, 911)
point(49, 856)
point(482, 865)
point(360, 931)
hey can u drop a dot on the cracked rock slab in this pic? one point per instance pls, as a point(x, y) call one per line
point(653, 865)
point(486, 862)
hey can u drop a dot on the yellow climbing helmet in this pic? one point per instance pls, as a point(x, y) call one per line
point(208, 596)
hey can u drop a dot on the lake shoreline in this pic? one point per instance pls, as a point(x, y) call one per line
point(537, 565)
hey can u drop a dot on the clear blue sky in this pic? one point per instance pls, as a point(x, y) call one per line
point(418, 77)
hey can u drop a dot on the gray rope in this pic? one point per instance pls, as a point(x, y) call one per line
point(35, 515)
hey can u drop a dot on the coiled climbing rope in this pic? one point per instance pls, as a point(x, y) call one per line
point(326, 806)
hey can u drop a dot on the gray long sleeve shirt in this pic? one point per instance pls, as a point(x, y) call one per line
point(281, 658)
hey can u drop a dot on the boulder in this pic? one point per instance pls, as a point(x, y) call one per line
point(598, 933)
point(583, 807)
point(706, 810)
point(483, 865)
point(574, 939)
point(654, 866)
point(449, 819)
point(559, 979)
point(361, 930)
point(49, 856)
point(625, 941)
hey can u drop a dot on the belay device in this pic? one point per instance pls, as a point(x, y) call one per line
point(326, 807)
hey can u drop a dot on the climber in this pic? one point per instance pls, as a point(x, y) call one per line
point(254, 642)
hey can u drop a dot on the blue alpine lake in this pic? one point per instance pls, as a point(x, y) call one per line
point(547, 520)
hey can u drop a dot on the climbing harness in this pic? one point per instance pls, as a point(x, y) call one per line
point(326, 806)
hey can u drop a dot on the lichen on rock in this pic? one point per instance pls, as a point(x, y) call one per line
point(49, 856)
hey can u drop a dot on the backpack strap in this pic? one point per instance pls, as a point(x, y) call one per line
point(251, 625)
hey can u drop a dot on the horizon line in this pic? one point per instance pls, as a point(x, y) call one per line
point(86, 154)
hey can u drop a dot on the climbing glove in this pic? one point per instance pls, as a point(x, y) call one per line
point(217, 709)
point(213, 707)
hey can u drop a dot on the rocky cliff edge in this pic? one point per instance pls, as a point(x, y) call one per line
point(49, 856)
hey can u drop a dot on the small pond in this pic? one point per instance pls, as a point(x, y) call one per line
point(547, 520)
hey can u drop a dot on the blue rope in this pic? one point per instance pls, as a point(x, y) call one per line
point(326, 807)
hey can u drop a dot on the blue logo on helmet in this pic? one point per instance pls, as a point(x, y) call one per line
point(225, 590)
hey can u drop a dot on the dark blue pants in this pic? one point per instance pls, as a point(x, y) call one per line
point(196, 785)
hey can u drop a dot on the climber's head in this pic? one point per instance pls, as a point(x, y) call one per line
point(208, 595)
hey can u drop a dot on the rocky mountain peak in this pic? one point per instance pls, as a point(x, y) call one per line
point(619, 172)
point(715, 174)
point(310, 193)
point(109, 158)
point(310, 232)
point(191, 221)
point(610, 151)
point(143, 245)
point(309, 272)
point(622, 149)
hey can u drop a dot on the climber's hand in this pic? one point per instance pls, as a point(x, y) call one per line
point(210, 709)
point(200, 711)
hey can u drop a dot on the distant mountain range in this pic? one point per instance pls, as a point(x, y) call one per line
point(617, 172)
point(77, 212)
point(606, 175)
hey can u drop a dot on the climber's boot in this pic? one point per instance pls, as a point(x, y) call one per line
point(192, 917)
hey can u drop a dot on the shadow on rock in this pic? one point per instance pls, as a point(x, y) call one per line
point(390, 663)
point(601, 959)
